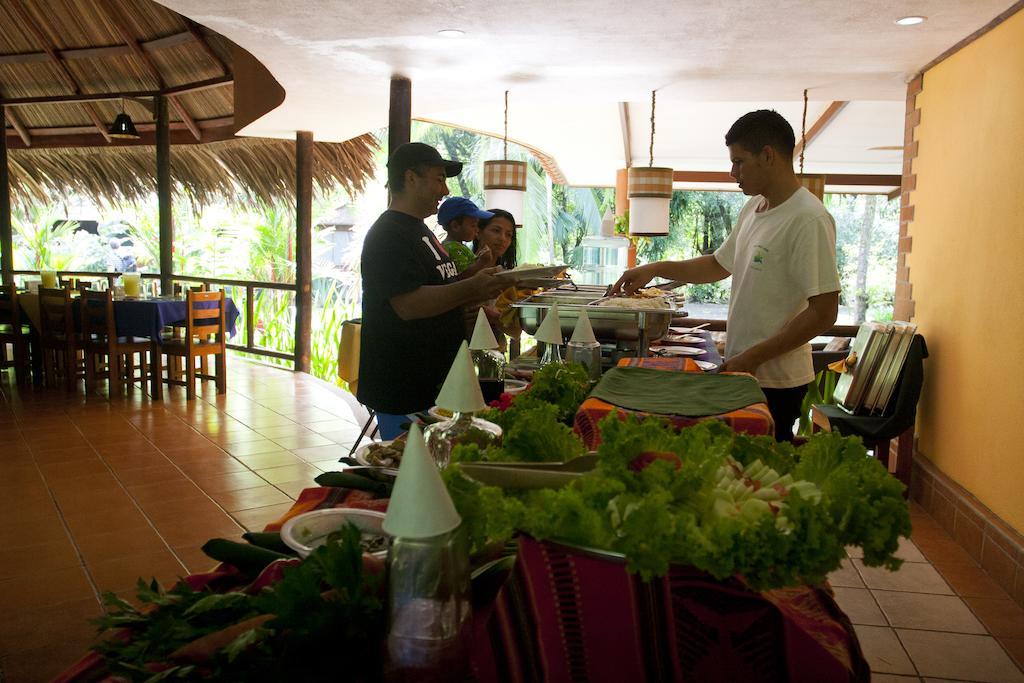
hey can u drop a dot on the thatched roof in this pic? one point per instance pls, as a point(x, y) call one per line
point(66, 48)
point(60, 61)
point(233, 170)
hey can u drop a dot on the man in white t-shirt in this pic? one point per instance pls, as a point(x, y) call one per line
point(782, 257)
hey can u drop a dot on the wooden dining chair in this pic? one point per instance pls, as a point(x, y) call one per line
point(177, 330)
point(58, 340)
point(205, 335)
point(106, 354)
point(13, 332)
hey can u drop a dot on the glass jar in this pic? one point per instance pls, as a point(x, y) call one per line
point(440, 437)
point(587, 354)
point(490, 371)
point(428, 587)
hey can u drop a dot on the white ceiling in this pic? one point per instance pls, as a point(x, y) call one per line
point(568, 63)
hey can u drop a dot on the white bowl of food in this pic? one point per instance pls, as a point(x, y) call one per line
point(514, 386)
point(306, 532)
point(381, 454)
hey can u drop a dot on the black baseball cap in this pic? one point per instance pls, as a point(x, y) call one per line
point(412, 154)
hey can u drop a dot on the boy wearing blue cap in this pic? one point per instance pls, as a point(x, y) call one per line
point(461, 219)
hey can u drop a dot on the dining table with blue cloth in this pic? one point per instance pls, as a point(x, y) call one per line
point(147, 317)
point(143, 317)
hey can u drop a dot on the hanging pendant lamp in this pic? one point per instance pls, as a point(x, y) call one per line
point(815, 183)
point(123, 128)
point(650, 191)
point(505, 181)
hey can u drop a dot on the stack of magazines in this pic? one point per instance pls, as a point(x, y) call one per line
point(881, 349)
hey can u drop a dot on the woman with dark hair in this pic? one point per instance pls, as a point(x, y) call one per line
point(499, 235)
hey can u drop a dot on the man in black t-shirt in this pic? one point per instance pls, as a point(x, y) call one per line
point(412, 304)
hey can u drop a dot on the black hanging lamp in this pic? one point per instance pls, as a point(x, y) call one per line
point(123, 128)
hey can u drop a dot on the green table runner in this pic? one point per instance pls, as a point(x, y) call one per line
point(676, 393)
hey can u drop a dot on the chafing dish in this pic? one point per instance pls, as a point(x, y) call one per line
point(612, 324)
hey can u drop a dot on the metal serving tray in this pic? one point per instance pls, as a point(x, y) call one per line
point(611, 324)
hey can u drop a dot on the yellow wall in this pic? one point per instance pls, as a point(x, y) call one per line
point(967, 267)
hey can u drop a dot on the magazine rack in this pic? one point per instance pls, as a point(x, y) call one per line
point(897, 421)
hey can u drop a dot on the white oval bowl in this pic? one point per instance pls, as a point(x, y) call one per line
point(308, 531)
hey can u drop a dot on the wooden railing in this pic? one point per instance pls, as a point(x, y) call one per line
point(250, 287)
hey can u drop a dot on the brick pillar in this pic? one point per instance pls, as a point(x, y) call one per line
point(903, 307)
point(903, 304)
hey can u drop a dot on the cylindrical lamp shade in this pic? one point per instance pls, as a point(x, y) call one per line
point(814, 183)
point(505, 186)
point(650, 191)
point(513, 201)
point(648, 217)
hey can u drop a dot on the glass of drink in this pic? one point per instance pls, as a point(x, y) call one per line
point(132, 284)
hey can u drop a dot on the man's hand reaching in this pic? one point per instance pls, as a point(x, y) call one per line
point(633, 279)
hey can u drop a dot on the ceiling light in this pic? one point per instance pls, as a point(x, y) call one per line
point(910, 21)
point(650, 192)
point(505, 181)
point(451, 33)
point(123, 128)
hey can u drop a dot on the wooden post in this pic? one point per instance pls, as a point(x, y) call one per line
point(400, 113)
point(163, 194)
point(303, 248)
point(6, 238)
point(621, 207)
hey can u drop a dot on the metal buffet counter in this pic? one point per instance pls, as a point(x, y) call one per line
point(627, 327)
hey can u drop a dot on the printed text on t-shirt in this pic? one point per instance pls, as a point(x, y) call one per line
point(447, 270)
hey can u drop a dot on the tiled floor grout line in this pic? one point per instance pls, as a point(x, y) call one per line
point(932, 561)
point(74, 541)
point(67, 531)
point(888, 622)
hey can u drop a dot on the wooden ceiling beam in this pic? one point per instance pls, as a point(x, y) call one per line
point(185, 117)
point(154, 45)
point(19, 128)
point(179, 136)
point(831, 179)
point(818, 127)
point(30, 26)
point(133, 44)
point(90, 110)
point(51, 51)
point(197, 34)
point(147, 60)
point(205, 125)
point(127, 94)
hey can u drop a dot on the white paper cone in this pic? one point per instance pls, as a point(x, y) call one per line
point(584, 332)
point(460, 392)
point(483, 335)
point(420, 506)
point(550, 330)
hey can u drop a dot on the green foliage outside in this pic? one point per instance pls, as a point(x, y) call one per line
point(257, 242)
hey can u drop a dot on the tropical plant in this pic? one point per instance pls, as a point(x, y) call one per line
point(43, 239)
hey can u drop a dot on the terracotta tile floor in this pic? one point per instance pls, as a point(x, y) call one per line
point(95, 493)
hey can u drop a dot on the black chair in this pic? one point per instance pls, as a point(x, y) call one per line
point(897, 422)
point(15, 332)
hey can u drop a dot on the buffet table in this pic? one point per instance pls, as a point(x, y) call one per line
point(565, 613)
point(752, 419)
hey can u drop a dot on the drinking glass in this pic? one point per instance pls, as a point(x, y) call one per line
point(132, 284)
